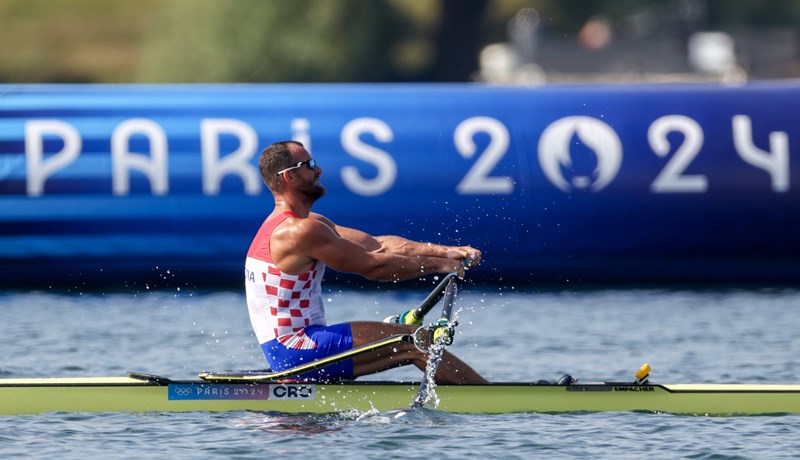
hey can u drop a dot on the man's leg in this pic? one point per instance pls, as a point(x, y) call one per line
point(451, 370)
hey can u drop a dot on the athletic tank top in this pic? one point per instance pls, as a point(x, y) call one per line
point(281, 305)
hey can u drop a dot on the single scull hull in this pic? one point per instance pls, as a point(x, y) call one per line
point(138, 394)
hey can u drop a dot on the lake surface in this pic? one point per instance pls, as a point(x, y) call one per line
point(687, 335)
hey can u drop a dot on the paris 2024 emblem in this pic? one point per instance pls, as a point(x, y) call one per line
point(559, 143)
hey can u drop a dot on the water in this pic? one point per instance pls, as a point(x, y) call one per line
point(688, 336)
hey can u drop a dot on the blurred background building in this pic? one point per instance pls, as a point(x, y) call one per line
point(495, 41)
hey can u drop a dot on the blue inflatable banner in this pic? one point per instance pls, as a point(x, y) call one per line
point(118, 184)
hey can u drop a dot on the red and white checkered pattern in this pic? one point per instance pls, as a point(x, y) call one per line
point(281, 305)
point(285, 304)
point(292, 300)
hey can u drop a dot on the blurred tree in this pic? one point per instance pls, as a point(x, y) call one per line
point(314, 40)
point(71, 40)
point(323, 40)
point(458, 41)
point(723, 13)
point(272, 41)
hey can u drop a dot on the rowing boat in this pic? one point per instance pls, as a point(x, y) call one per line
point(138, 392)
point(282, 391)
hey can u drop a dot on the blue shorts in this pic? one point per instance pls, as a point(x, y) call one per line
point(329, 339)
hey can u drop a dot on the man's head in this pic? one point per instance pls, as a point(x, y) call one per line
point(289, 161)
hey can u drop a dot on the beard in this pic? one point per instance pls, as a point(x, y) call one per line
point(313, 190)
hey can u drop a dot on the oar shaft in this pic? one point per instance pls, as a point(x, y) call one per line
point(449, 299)
point(433, 298)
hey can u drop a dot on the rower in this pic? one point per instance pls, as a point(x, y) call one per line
point(285, 266)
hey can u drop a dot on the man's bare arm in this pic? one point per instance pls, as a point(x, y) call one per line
point(319, 241)
point(403, 246)
point(400, 245)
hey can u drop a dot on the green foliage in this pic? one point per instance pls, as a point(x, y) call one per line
point(271, 41)
point(750, 12)
point(108, 41)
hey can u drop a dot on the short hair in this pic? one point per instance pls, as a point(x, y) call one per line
point(274, 158)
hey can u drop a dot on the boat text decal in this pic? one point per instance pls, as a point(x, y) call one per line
point(233, 391)
point(634, 388)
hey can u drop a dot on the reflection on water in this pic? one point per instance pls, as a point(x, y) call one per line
point(277, 423)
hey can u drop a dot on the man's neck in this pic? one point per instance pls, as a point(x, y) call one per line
point(284, 203)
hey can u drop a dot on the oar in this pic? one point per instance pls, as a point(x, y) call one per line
point(417, 314)
point(442, 334)
point(312, 366)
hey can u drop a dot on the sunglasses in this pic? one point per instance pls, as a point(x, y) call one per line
point(311, 163)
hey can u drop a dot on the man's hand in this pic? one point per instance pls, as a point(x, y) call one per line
point(472, 259)
point(469, 254)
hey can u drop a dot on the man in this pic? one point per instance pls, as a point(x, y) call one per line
point(284, 270)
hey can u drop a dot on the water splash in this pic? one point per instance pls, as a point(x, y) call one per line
point(429, 397)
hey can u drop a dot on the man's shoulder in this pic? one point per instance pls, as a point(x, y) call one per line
point(320, 218)
point(308, 226)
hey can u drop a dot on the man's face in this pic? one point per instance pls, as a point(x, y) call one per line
point(309, 178)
